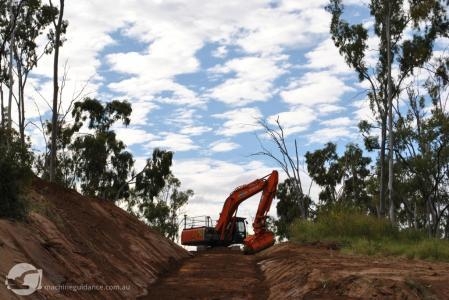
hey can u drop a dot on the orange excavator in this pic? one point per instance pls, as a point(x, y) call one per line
point(231, 229)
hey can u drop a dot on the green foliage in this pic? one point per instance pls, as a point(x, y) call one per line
point(328, 170)
point(32, 18)
point(97, 161)
point(359, 233)
point(15, 170)
point(103, 164)
point(65, 173)
point(152, 180)
point(288, 207)
point(164, 212)
point(351, 40)
point(342, 223)
point(157, 197)
point(323, 168)
point(422, 141)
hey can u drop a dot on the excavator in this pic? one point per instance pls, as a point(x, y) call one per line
point(231, 229)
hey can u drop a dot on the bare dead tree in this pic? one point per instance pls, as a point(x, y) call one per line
point(289, 162)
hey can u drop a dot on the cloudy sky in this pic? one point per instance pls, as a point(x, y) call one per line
point(200, 74)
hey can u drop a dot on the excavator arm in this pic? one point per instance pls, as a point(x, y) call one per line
point(262, 238)
point(268, 186)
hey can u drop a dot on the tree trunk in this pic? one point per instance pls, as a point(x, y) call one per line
point(54, 120)
point(11, 80)
point(2, 105)
point(415, 216)
point(302, 204)
point(428, 218)
point(20, 106)
point(390, 121)
point(382, 166)
point(446, 228)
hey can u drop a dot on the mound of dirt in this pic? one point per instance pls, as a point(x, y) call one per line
point(87, 248)
point(319, 272)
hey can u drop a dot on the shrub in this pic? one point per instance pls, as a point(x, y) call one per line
point(342, 223)
point(15, 174)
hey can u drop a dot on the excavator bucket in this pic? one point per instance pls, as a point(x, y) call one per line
point(255, 243)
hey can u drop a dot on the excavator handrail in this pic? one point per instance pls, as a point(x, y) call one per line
point(197, 221)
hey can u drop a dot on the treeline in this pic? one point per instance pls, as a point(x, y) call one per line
point(82, 150)
point(407, 182)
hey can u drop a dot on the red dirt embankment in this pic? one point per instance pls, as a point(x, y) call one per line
point(80, 241)
point(317, 272)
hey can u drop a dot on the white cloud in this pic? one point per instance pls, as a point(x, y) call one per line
point(253, 80)
point(174, 34)
point(239, 121)
point(134, 136)
point(337, 122)
point(182, 117)
point(223, 146)
point(269, 30)
point(173, 142)
point(330, 134)
point(362, 110)
point(296, 120)
point(213, 180)
point(325, 109)
point(326, 56)
point(142, 88)
point(316, 88)
point(220, 52)
point(140, 113)
point(195, 130)
point(291, 5)
point(188, 121)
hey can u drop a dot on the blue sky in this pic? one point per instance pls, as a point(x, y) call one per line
point(199, 75)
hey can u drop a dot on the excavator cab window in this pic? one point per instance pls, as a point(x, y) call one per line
point(240, 230)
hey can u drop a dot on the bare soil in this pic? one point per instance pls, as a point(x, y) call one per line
point(218, 273)
point(320, 272)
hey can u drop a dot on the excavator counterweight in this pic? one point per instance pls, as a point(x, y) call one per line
point(231, 229)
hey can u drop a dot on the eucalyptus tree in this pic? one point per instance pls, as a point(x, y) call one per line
point(163, 211)
point(343, 179)
point(423, 21)
point(32, 19)
point(101, 162)
point(423, 152)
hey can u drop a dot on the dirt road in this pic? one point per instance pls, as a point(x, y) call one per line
point(292, 271)
point(213, 274)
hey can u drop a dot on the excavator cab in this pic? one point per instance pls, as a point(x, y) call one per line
point(239, 233)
